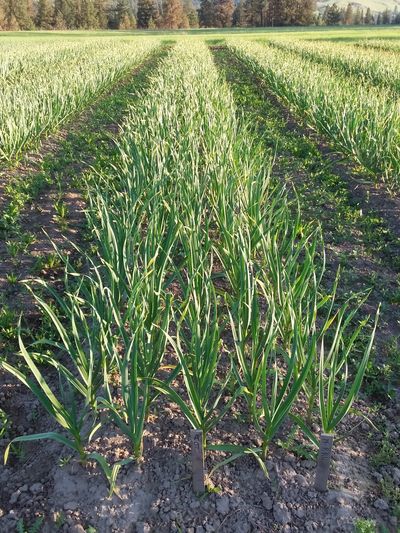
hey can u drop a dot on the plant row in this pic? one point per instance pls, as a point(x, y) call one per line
point(368, 65)
point(202, 278)
point(42, 85)
point(361, 121)
point(379, 44)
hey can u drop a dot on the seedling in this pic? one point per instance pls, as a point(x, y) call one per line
point(111, 472)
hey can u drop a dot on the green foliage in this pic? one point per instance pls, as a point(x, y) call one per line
point(391, 492)
point(111, 472)
point(5, 424)
point(388, 452)
point(194, 243)
point(39, 101)
point(364, 526)
point(359, 120)
point(34, 528)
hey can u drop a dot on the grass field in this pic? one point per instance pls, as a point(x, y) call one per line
point(350, 33)
point(200, 231)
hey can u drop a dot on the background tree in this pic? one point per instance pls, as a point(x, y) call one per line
point(65, 14)
point(276, 13)
point(120, 14)
point(10, 21)
point(44, 17)
point(184, 24)
point(256, 12)
point(298, 12)
point(239, 18)
point(17, 15)
point(102, 13)
point(128, 22)
point(122, 17)
point(146, 12)
point(386, 17)
point(358, 18)
point(332, 15)
point(191, 14)
point(369, 18)
point(2, 18)
point(172, 14)
point(88, 15)
point(348, 15)
point(223, 11)
point(307, 15)
point(206, 14)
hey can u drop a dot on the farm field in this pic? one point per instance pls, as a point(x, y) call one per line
point(200, 239)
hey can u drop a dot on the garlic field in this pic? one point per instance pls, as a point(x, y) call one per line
point(200, 281)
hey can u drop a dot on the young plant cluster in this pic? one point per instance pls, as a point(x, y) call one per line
point(379, 44)
point(360, 120)
point(43, 84)
point(203, 286)
point(367, 64)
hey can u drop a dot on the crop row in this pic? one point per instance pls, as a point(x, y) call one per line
point(200, 279)
point(42, 85)
point(379, 44)
point(361, 121)
point(366, 64)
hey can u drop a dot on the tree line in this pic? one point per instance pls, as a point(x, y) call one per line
point(333, 16)
point(173, 14)
point(96, 14)
point(167, 14)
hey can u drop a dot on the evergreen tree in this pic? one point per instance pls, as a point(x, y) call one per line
point(24, 13)
point(191, 14)
point(379, 19)
point(101, 13)
point(145, 13)
point(128, 22)
point(332, 15)
point(369, 18)
point(256, 12)
point(172, 14)
point(17, 15)
point(9, 21)
point(358, 18)
point(2, 18)
point(59, 21)
point(276, 14)
point(184, 24)
point(239, 15)
point(66, 14)
point(297, 12)
point(193, 18)
point(348, 15)
point(44, 15)
point(152, 24)
point(386, 17)
point(206, 14)
point(88, 15)
point(123, 18)
point(306, 14)
point(223, 11)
